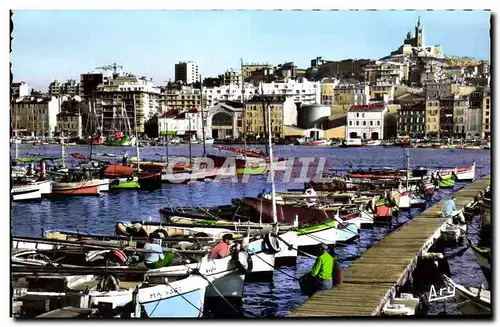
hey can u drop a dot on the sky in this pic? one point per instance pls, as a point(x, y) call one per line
point(51, 44)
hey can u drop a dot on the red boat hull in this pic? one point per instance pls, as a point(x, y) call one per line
point(72, 189)
point(287, 213)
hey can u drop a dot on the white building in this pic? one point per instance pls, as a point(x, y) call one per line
point(19, 90)
point(231, 92)
point(35, 116)
point(366, 122)
point(176, 123)
point(300, 90)
point(187, 72)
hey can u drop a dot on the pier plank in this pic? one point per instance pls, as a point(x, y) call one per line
point(371, 280)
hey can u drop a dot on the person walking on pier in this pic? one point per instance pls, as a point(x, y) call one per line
point(450, 210)
point(326, 270)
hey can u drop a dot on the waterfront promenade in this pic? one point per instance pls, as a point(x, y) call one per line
point(370, 281)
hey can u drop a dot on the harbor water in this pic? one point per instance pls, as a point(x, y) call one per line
point(271, 299)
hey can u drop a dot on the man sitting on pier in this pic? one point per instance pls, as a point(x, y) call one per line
point(156, 258)
point(221, 250)
point(324, 270)
point(450, 210)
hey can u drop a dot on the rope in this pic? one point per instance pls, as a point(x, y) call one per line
point(290, 246)
point(219, 293)
point(270, 265)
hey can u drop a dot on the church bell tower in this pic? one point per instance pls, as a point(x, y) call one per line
point(419, 34)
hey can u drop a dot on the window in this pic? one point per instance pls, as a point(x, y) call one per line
point(487, 113)
point(364, 122)
point(357, 114)
point(363, 115)
point(371, 122)
point(487, 121)
point(357, 123)
point(487, 107)
point(350, 122)
point(378, 122)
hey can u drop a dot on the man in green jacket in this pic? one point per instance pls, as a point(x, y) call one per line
point(323, 270)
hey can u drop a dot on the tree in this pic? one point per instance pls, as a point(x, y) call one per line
point(151, 127)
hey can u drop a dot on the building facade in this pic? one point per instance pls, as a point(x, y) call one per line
point(366, 122)
point(411, 120)
point(184, 124)
point(486, 116)
point(19, 90)
point(69, 124)
point(283, 112)
point(300, 90)
point(35, 116)
point(187, 72)
point(225, 120)
point(432, 118)
point(70, 87)
point(119, 99)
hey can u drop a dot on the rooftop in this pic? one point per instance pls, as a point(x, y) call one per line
point(369, 107)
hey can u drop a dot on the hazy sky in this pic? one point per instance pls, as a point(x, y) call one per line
point(50, 45)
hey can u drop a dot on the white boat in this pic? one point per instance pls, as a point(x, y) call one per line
point(462, 174)
point(263, 258)
point(372, 143)
point(104, 186)
point(209, 141)
point(25, 192)
point(31, 191)
point(169, 300)
point(470, 300)
point(318, 143)
point(404, 305)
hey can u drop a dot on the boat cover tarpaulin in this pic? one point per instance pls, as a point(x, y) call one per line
point(118, 170)
point(78, 156)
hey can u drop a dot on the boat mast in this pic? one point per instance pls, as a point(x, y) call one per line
point(264, 111)
point(202, 118)
point(92, 109)
point(244, 109)
point(136, 138)
point(189, 137)
point(271, 170)
point(166, 143)
point(407, 169)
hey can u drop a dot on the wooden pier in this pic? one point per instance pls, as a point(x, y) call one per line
point(370, 281)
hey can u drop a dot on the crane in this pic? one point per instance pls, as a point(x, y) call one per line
point(113, 66)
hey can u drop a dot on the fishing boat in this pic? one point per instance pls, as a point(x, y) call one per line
point(483, 256)
point(372, 143)
point(192, 227)
point(351, 143)
point(470, 300)
point(98, 140)
point(445, 182)
point(461, 174)
point(330, 233)
point(318, 143)
point(125, 183)
point(26, 192)
point(88, 187)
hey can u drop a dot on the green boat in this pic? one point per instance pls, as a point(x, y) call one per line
point(316, 228)
point(125, 141)
point(447, 182)
point(125, 184)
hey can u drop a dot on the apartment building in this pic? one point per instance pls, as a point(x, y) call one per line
point(187, 72)
point(35, 116)
point(283, 112)
point(120, 98)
